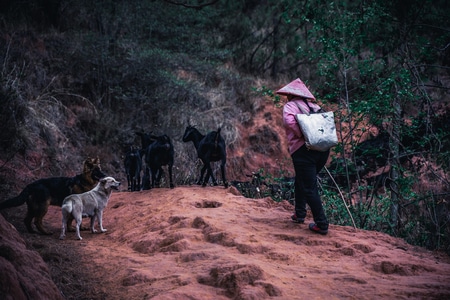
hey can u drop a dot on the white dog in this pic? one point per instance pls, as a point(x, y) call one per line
point(89, 204)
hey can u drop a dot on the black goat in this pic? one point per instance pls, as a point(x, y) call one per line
point(210, 148)
point(133, 167)
point(146, 140)
point(159, 153)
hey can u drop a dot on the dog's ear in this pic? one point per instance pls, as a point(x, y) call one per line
point(96, 162)
point(87, 166)
point(103, 180)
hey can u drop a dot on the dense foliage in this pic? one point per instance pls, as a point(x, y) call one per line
point(91, 72)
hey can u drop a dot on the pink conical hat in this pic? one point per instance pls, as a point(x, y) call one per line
point(296, 88)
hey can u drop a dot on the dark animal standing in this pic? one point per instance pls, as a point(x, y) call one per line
point(146, 140)
point(42, 193)
point(133, 167)
point(159, 153)
point(210, 148)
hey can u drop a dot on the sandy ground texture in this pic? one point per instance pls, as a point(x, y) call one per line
point(211, 243)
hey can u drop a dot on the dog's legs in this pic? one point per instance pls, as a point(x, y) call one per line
point(38, 222)
point(69, 226)
point(100, 221)
point(39, 225)
point(63, 228)
point(28, 219)
point(77, 227)
point(32, 213)
point(93, 230)
point(38, 204)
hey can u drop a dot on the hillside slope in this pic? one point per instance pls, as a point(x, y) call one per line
point(211, 243)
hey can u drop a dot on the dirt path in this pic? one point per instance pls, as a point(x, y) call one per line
point(208, 243)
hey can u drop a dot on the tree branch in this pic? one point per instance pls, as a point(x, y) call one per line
point(187, 5)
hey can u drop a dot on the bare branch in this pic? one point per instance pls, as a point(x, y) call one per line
point(187, 5)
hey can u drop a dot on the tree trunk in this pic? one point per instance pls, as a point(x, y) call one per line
point(395, 165)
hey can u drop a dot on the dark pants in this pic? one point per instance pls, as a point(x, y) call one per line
point(307, 164)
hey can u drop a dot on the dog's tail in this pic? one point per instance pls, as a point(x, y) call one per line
point(16, 201)
point(67, 206)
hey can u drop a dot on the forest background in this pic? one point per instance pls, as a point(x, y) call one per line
point(79, 78)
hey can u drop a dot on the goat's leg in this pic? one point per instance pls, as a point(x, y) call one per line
point(146, 179)
point(170, 176)
point(212, 177)
point(138, 182)
point(209, 174)
point(222, 169)
point(223, 161)
point(129, 182)
point(207, 168)
point(153, 180)
point(202, 172)
point(158, 176)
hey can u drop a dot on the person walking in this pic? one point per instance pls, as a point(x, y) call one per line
point(307, 163)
